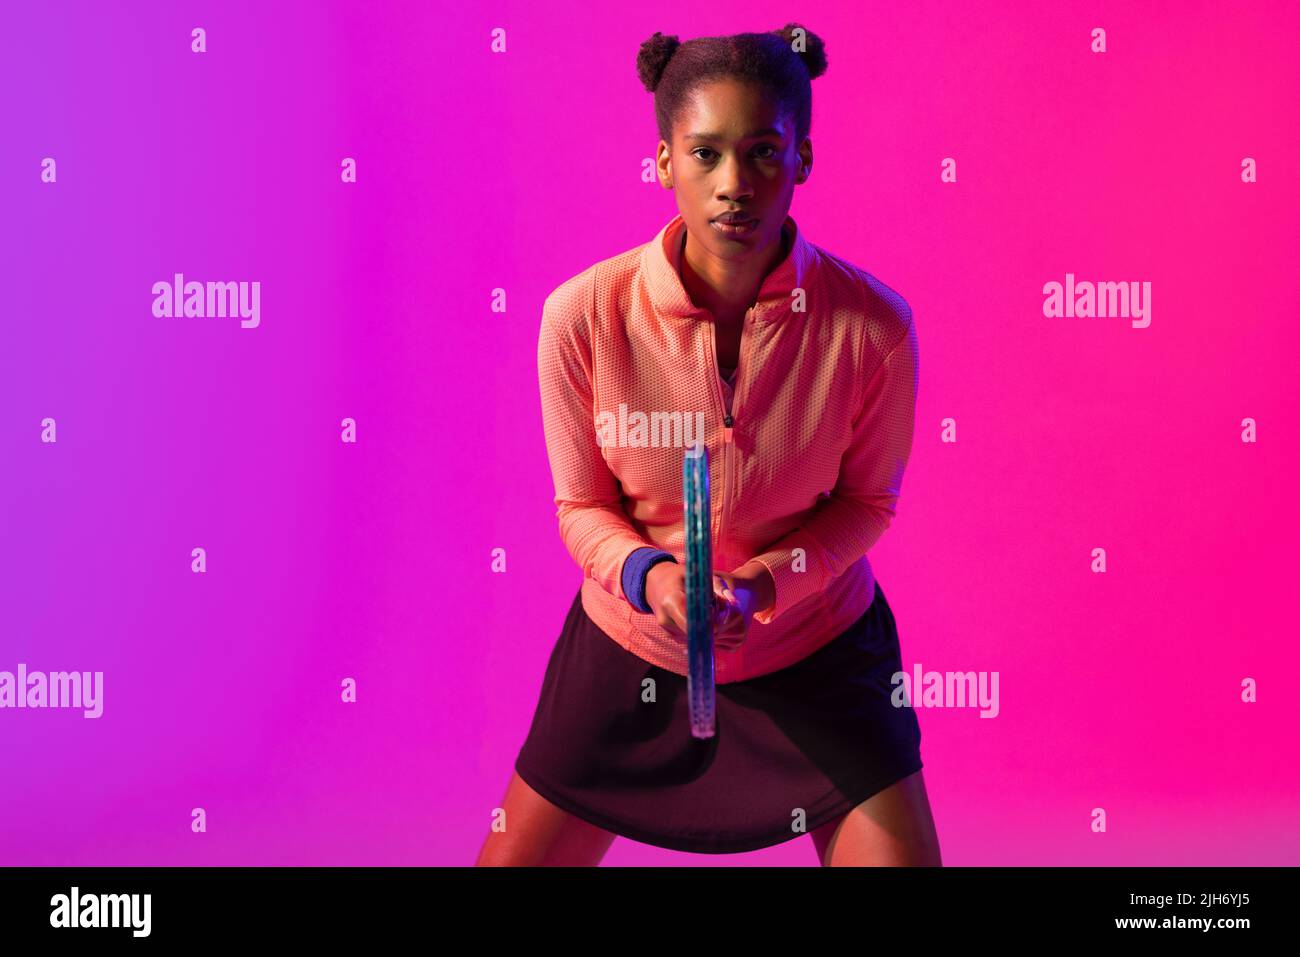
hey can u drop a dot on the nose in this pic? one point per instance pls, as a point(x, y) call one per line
point(734, 182)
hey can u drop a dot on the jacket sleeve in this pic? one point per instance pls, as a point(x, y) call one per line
point(848, 522)
point(594, 526)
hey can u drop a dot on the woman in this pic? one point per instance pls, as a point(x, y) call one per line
point(801, 370)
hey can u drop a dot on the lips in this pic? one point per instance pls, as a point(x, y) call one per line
point(734, 225)
point(733, 218)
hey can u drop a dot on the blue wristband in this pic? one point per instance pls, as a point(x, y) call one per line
point(636, 568)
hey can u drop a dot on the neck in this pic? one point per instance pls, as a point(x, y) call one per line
point(727, 285)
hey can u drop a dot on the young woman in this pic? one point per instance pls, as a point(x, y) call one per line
point(801, 371)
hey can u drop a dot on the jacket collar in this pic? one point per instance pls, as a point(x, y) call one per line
point(661, 261)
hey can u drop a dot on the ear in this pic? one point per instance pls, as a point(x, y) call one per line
point(664, 165)
point(805, 161)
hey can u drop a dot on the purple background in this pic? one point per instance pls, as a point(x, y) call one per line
point(479, 170)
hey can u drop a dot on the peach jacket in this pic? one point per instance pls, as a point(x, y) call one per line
point(804, 473)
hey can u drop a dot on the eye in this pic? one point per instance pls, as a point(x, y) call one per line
point(763, 151)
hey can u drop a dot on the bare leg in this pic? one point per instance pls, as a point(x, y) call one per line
point(890, 829)
point(539, 834)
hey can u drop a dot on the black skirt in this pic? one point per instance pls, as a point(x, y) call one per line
point(792, 750)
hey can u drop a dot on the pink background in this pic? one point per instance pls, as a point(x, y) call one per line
point(477, 171)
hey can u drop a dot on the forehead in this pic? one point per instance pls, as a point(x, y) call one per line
point(730, 109)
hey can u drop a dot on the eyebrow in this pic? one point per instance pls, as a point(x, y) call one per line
point(765, 131)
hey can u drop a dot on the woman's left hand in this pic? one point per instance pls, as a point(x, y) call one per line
point(741, 594)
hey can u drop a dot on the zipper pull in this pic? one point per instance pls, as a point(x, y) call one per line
point(727, 428)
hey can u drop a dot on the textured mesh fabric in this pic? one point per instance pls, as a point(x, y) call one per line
point(805, 479)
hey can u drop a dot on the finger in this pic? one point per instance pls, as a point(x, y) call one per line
point(722, 617)
point(672, 627)
point(729, 633)
point(732, 638)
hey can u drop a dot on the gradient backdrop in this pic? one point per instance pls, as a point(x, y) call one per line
point(479, 170)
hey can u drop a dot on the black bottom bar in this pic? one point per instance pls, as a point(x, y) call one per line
point(214, 905)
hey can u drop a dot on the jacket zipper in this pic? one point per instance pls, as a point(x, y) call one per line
point(728, 422)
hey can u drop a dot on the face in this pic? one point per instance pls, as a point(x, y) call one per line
point(733, 151)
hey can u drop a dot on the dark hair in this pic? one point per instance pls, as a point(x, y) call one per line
point(671, 70)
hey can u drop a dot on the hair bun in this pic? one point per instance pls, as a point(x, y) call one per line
point(653, 58)
point(813, 53)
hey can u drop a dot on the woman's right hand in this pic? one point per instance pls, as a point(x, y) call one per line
point(665, 593)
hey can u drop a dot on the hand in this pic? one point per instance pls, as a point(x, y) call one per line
point(665, 593)
point(746, 591)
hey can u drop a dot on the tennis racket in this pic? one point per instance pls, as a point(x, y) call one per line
point(699, 590)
